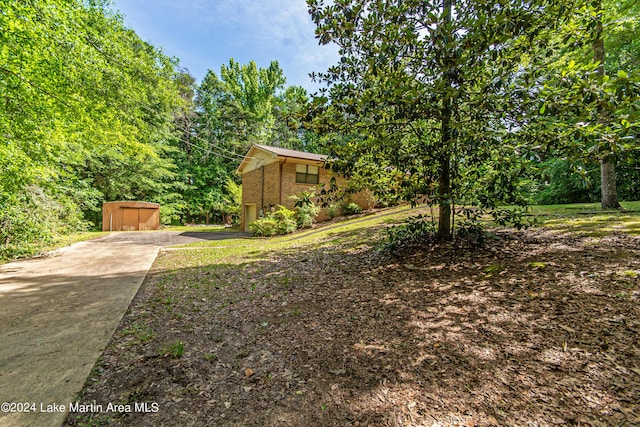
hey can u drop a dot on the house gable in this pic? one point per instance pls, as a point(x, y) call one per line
point(263, 155)
point(256, 158)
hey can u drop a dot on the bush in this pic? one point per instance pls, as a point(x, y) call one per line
point(264, 227)
point(305, 215)
point(306, 210)
point(33, 219)
point(351, 209)
point(414, 230)
point(279, 222)
point(333, 211)
point(285, 220)
point(568, 183)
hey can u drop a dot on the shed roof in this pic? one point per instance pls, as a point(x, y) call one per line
point(132, 204)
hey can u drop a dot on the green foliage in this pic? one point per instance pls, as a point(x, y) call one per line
point(470, 229)
point(33, 219)
point(514, 217)
point(86, 116)
point(351, 209)
point(211, 357)
point(589, 101)
point(227, 113)
point(286, 220)
point(628, 178)
point(421, 103)
point(573, 101)
point(332, 211)
point(264, 227)
point(305, 209)
point(233, 200)
point(415, 230)
point(280, 222)
point(621, 26)
point(306, 214)
point(563, 182)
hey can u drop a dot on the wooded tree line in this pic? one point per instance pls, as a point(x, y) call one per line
point(92, 113)
point(225, 115)
point(462, 102)
point(86, 116)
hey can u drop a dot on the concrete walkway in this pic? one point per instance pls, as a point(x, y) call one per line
point(58, 313)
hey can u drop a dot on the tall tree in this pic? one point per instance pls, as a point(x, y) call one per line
point(590, 102)
point(607, 164)
point(244, 104)
point(421, 87)
point(239, 104)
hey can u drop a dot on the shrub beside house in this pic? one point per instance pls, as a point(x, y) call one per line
point(271, 175)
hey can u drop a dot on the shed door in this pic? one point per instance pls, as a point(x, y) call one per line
point(130, 219)
point(146, 221)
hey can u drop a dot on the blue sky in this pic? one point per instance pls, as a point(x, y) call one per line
point(204, 34)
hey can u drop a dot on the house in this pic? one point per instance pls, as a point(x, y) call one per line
point(271, 175)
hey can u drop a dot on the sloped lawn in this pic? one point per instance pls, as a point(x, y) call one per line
point(533, 329)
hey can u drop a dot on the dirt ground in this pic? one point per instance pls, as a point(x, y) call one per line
point(531, 330)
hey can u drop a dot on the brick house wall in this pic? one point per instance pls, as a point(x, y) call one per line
point(291, 187)
point(253, 190)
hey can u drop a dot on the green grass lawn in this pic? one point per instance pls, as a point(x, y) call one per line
point(323, 233)
point(586, 219)
point(579, 219)
point(579, 208)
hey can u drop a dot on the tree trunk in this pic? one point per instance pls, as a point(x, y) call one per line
point(444, 194)
point(608, 191)
point(444, 167)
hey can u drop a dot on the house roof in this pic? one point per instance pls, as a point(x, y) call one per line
point(253, 158)
point(285, 152)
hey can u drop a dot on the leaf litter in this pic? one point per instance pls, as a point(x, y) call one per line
point(531, 329)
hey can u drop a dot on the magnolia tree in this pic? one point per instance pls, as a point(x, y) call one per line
point(423, 100)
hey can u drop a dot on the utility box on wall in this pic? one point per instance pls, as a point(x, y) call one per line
point(130, 216)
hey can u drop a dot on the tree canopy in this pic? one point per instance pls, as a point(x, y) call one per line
point(86, 116)
point(243, 105)
point(590, 97)
point(423, 88)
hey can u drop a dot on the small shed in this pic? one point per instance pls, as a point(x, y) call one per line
point(130, 216)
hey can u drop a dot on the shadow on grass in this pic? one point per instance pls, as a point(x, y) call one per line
point(216, 235)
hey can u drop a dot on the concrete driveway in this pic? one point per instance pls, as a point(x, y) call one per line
point(58, 314)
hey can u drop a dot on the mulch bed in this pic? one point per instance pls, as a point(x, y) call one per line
point(532, 329)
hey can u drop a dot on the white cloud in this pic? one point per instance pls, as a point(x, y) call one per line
point(282, 27)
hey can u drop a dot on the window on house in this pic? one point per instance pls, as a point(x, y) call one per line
point(307, 174)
